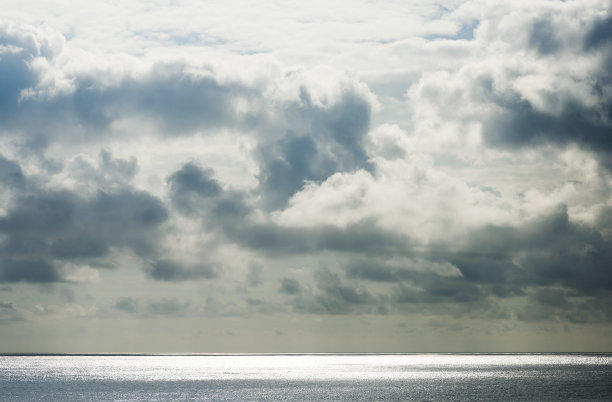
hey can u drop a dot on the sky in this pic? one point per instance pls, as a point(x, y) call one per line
point(179, 176)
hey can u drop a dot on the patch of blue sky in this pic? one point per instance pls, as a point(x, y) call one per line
point(466, 32)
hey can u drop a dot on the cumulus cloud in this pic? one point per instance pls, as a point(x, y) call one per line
point(333, 142)
point(455, 165)
point(540, 98)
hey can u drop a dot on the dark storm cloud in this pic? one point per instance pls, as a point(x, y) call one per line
point(332, 142)
point(173, 271)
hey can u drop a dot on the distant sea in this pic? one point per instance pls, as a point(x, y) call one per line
point(313, 377)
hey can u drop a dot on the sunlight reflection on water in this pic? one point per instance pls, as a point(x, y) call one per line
point(313, 377)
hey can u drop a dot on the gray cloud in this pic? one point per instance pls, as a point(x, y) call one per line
point(193, 190)
point(44, 227)
point(11, 175)
point(599, 35)
point(333, 142)
point(191, 186)
point(551, 258)
point(127, 304)
point(173, 271)
point(177, 101)
point(8, 313)
point(333, 296)
point(167, 307)
point(28, 270)
point(520, 123)
point(290, 286)
point(363, 237)
point(563, 305)
point(110, 172)
point(543, 37)
point(64, 213)
point(550, 251)
point(255, 275)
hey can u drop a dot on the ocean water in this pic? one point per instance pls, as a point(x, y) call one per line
point(307, 377)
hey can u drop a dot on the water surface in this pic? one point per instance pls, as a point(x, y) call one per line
point(308, 377)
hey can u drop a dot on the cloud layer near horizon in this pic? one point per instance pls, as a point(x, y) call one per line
point(414, 161)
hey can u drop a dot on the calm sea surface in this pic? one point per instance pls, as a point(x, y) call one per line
point(308, 377)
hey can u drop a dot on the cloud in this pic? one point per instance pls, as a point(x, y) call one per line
point(362, 237)
point(44, 227)
point(543, 37)
point(28, 270)
point(107, 172)
point(173, 271)
point(599, 35)
point(335, 297)
point(127, 304)
point(11, 175)
point(191, 186)
point(290, 286)
point(255, 274)
point(534, 100)
point(8, 313)
point(414, 172)
point(194, 191)
point(164, 306)
point(549, 251)
point(332, 142)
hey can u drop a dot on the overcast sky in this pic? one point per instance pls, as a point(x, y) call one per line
point(250, 176)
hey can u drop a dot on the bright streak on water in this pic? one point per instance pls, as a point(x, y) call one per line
point(308, 377)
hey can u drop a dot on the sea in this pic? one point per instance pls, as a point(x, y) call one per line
point(307, 377)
